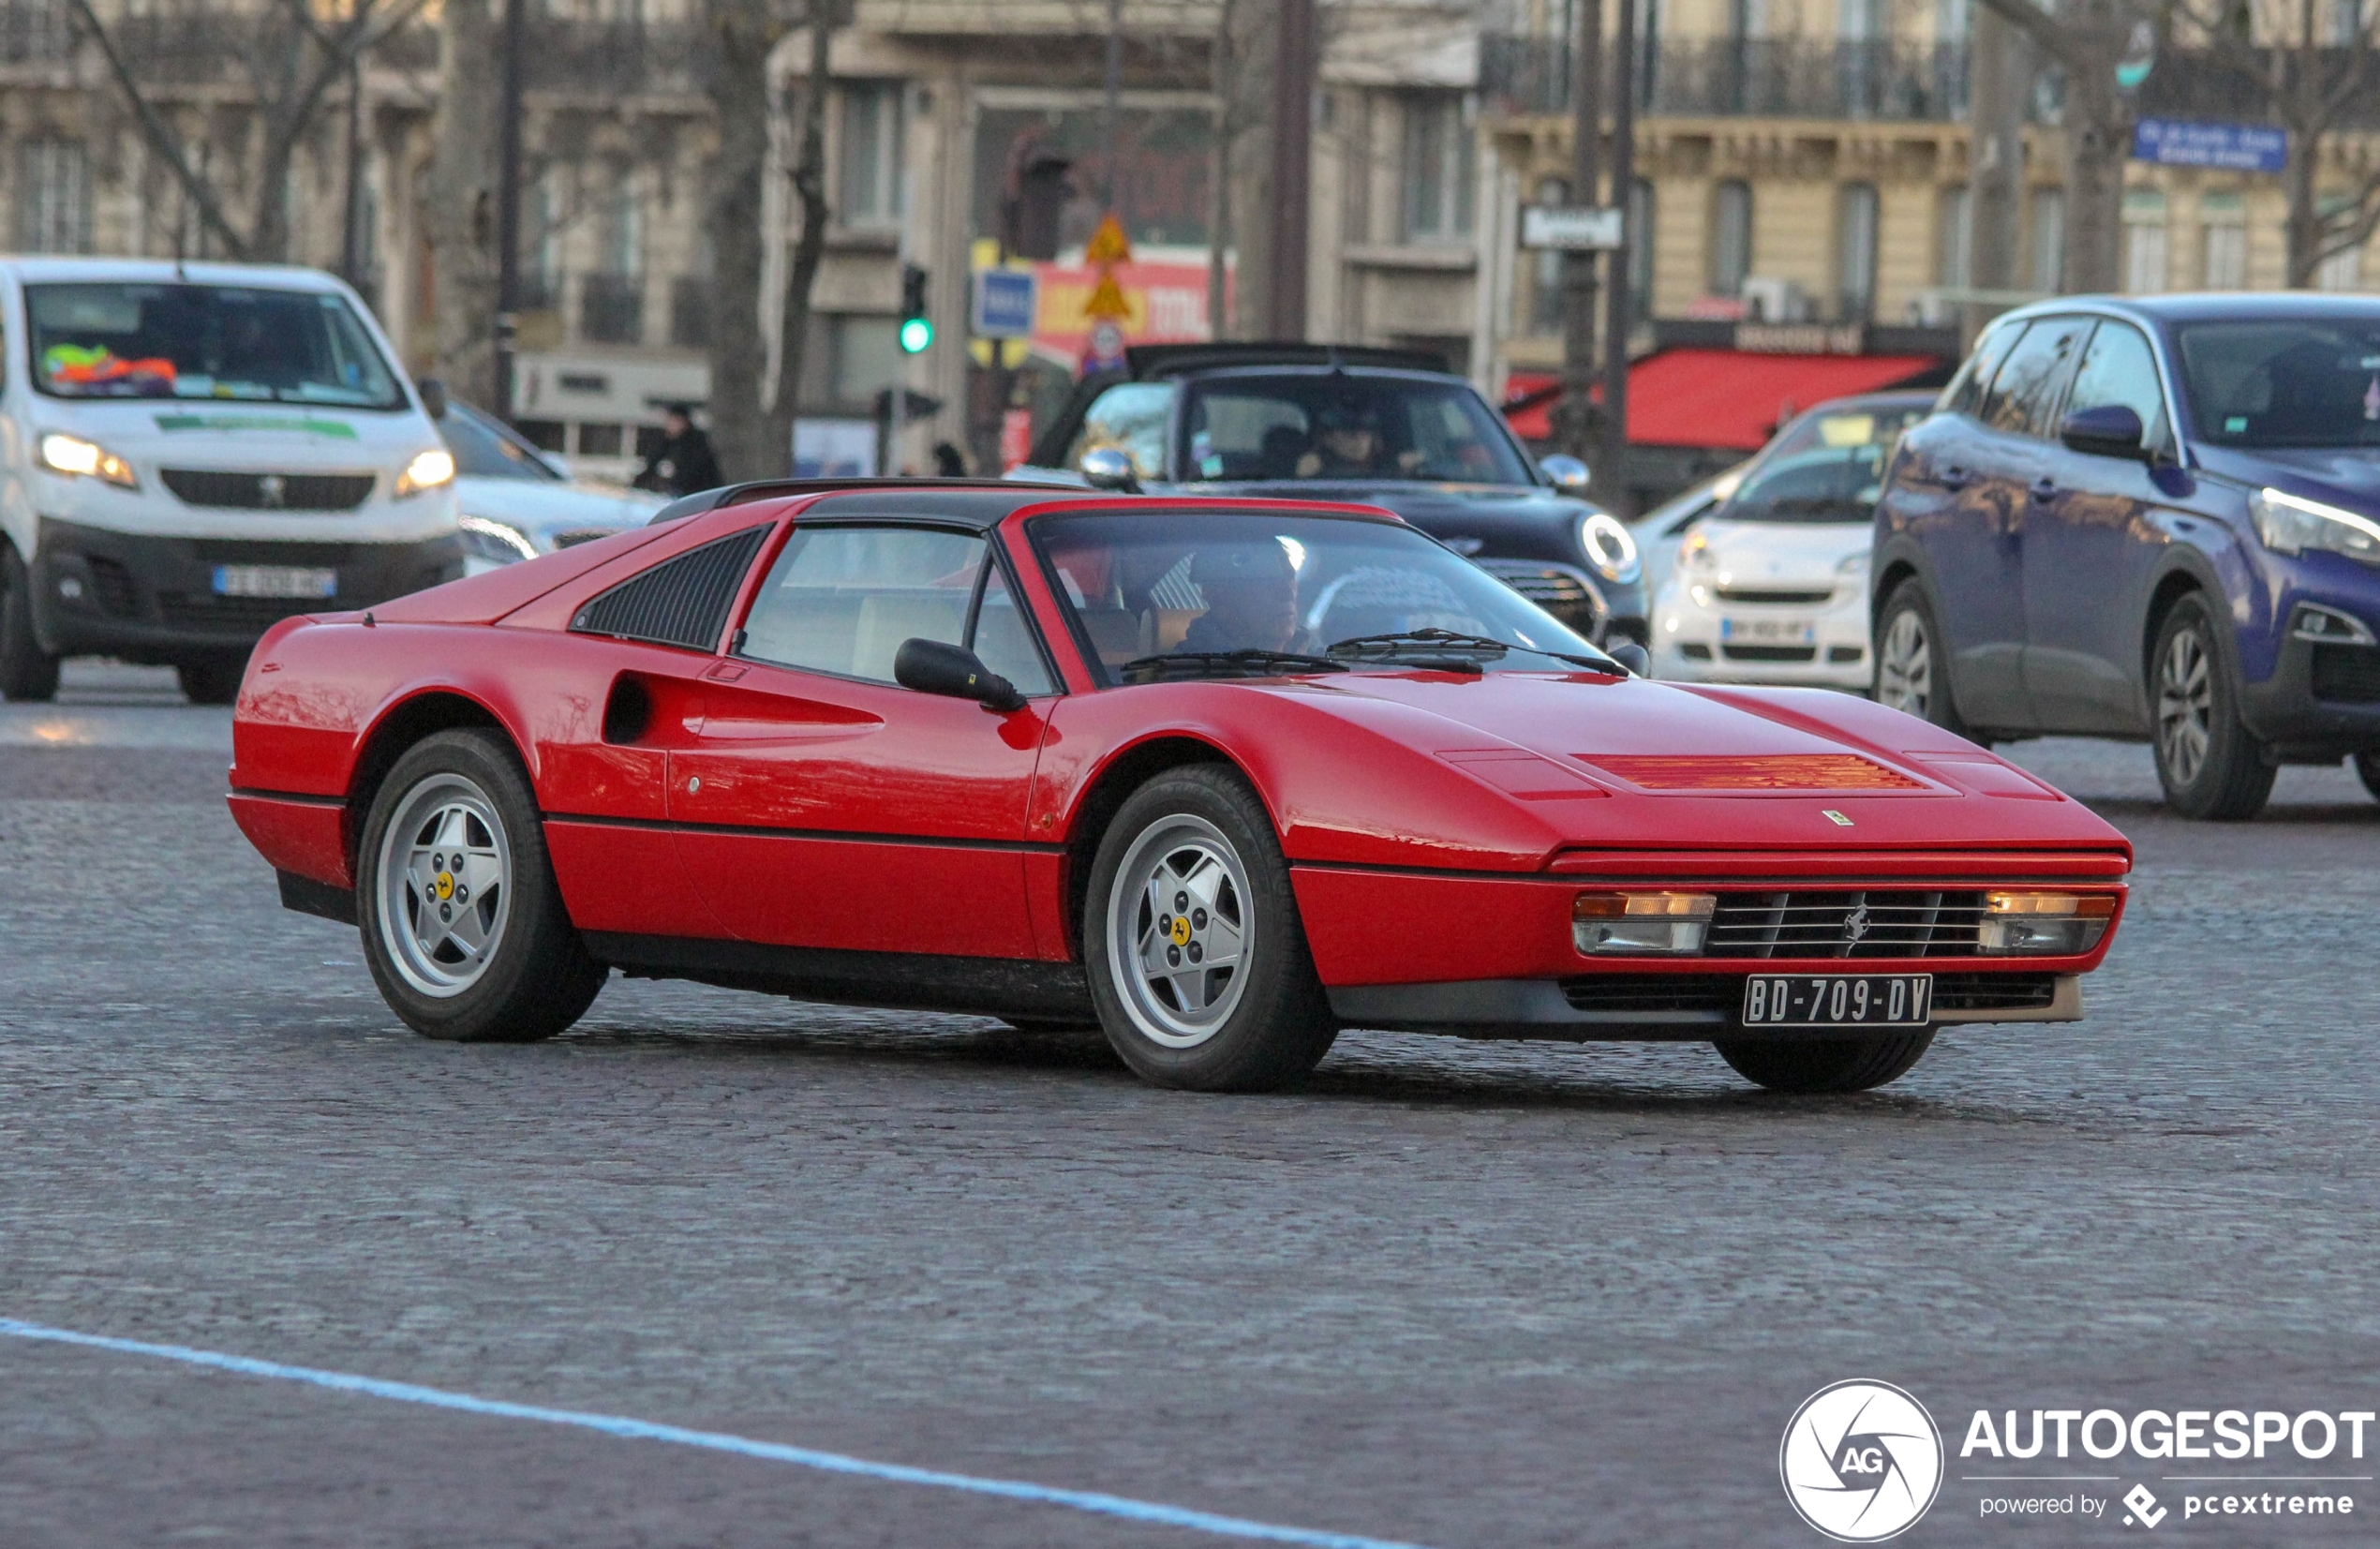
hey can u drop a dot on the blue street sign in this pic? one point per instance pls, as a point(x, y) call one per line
point(1006, 301)
point(2240, 147)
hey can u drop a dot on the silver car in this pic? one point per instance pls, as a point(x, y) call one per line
point(517, 502)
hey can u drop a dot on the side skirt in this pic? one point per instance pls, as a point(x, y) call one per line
point(911, 981)
point(309, 897)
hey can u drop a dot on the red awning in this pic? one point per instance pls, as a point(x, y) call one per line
point(1718, 397)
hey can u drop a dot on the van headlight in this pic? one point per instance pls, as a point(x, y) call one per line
point(2290, 524)
point(76, 457)
point(496, 543)
point(427, 471)
point(1640, 925)
point(2044, 925)
point(1611, 548)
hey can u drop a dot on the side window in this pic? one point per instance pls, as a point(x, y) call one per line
point(2026, 387)
point(2118, 368)
point(1964, 394)
point(1130, 417)
point(841, 600)
point(681, 602)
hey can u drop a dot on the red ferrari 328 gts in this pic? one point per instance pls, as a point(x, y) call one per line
point(1220, 777)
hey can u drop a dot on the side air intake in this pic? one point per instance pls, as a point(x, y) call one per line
point(680, 602)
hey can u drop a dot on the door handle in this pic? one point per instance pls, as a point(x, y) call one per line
point(1954, 477)
point(2044, 488)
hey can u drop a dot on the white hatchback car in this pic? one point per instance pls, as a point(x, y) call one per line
point(1772, 586)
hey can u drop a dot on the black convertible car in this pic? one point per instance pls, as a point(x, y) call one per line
point(1389, 428)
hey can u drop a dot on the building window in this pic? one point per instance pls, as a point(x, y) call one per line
point(612, 300)
point(541, 275)
point(2224, 217)
point(1855, 250)
point(53, 196)
point(1545, 288)
point(1954, 238)
point(1730, 237)
point(2049, 239)
point(870, 186)
point(1437, 168)
point(1640, 249)
point(2341, 269)
point(864, 356)
point(2145, 271)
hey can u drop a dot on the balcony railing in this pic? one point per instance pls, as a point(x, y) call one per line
point(186, 44)
point(34, 32)
point(1773, 78)
point(610, 309)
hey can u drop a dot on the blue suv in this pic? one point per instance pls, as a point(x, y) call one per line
point(2149, 518)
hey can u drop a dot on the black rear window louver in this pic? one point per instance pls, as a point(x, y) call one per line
point(680, 602)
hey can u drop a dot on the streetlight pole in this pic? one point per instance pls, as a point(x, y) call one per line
point(1293, 167)
point(1578, 265)
point(1114, 106)
point(508, 205)
point(1620, 312)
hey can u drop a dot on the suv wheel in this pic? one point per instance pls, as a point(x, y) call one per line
point(2208, 761)
point(1912, 667)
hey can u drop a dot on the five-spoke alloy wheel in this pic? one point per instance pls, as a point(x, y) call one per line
point(462, 923)
point(1197, 958)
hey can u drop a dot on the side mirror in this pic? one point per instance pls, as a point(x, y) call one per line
point(2110, 430)
point(1105, 468)
point(937, 666)
point(1565, 472)
point(433, 394)
point(1629, 654)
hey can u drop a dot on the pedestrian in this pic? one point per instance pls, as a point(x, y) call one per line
point(683, 463)
point(950, 462)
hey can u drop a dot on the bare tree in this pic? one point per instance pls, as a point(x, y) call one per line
point(2087, 39)
point(294, 59)
point(458, 213)
point(2314, 85)
point(809, 178)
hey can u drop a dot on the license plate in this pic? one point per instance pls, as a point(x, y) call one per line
point(1769, 632)
point(1837, 1000)
point(275, 581)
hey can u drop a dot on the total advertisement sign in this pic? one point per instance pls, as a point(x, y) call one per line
point(1165, 302)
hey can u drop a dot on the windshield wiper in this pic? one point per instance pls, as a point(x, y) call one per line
point(1224, 663)
point(1407, 647)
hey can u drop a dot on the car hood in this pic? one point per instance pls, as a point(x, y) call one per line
point(2347, 475)
point(543, 508)
point(1582, 759)
point(1755, 552)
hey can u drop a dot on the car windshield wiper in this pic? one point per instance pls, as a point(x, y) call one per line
point(1224, 663)
point(1405, 647)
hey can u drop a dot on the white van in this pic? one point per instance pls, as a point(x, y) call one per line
point(189, 453)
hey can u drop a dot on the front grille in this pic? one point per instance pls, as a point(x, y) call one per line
point(235, 614)
point(1623, 994)
point(1559, 589)
point(1775, 595)
point(1995, 992)
point(1769, 653)
point(2346, 674)
point(571, 540)
point(269, 491)
point(271, 551)
point(1857, 924)
point(1694, 650)
point(111, 585)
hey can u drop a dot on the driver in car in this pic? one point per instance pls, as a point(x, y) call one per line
point(1251, 592)
point(1348, 445)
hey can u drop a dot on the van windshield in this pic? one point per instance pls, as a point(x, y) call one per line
point(206, 341)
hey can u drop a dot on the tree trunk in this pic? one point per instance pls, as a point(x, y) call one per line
point(1255, 45)
point(2098, 127)
point(2303, 228)
point(741, 38)
point(459, 209)
point(809, 189)
point(1996, 162)
point(1227, 123)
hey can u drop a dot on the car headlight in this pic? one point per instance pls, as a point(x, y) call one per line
point(1852, 564)
point(497, 543)
point(2044, 925)
point(1611, 548)
point(1640, 925)
point(73, 455)
point(2290, 524)
point(427, 471)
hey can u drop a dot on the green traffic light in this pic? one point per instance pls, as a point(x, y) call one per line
point(916, 335)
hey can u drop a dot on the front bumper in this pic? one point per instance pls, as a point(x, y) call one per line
point(147, 598)
point(1691, 643)
point(1673, 1008)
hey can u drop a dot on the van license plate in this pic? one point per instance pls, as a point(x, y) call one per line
point(275, 581)
point(1839, 1000)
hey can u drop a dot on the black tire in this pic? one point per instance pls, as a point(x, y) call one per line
point(1271, 1023)
point(212, 679)
point(2210, 765)
point(1852, 1064)
point(27, 674)
point(1913, 664)
point(536, 978)
point(2367, 766)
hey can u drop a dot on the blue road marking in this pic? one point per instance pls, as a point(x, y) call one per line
point(645, 1430)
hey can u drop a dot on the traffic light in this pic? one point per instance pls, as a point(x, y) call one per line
point(916, 329)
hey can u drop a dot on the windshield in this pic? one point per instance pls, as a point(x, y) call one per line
point(206, 341)
point(483, 451)
point(1140, 586)
point(2283, 381)
point(1338, 425)
point(1829, 468)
